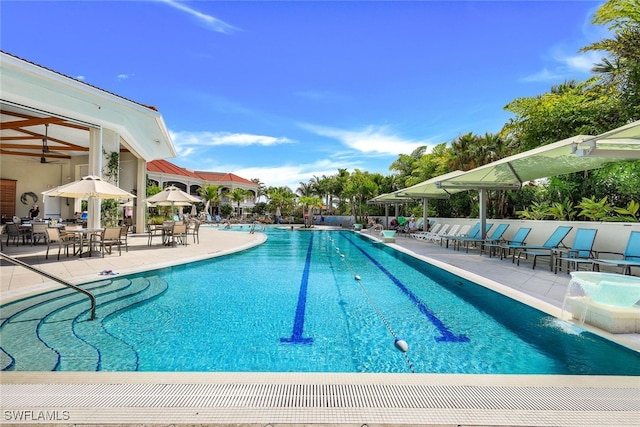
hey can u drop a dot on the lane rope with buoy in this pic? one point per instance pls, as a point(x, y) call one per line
point(398, 342)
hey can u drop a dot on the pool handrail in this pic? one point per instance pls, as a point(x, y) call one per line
point(54, 278)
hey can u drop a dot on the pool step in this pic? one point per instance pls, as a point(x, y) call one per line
point(116, 355)
point(57, 327)
point(55, 333)
point(19, 329)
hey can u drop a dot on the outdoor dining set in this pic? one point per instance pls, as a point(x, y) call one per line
point(82, 240)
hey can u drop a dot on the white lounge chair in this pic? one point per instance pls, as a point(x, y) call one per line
point(423, 234)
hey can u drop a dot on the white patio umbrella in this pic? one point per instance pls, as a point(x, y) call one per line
point(173, 196)
point(89, 187)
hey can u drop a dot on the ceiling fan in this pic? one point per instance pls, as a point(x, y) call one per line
point(45, 146)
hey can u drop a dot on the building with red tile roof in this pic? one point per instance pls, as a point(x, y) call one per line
point(164, 173)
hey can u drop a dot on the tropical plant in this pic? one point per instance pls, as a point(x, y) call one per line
point(238, 195)
point(535, 211)
point(630, 213)
point(210, 193)
point(594, 210)
point(562, 210)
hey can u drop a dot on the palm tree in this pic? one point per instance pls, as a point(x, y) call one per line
point(211, 194)
point(308, 204)
point(238, 195)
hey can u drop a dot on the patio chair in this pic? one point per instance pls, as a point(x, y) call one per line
point(15, 232)
point(507, 247)
point(153, 230)
point(581, 252)
point(553, 242)
point(124, 234)
point(108, 238)
point(55, 237)
point(194, 229)
point(38, 231)
point(630, 256)
point(179, 233)
point(495, 237)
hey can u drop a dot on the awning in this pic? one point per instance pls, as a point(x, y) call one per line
point(511, 172)
point(623, 142)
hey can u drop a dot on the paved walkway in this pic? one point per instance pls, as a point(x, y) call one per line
point(294, 399)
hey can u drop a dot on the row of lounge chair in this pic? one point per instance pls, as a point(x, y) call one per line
point(580, 253)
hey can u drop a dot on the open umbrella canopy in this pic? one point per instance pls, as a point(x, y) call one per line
point(172, 195)
point(511, 172)
point(89, 187)
point(623, 142)
point(430, 189)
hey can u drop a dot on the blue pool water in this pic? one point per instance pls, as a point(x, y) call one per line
point(293, 305)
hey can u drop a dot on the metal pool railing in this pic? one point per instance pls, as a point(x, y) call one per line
point(54, 278)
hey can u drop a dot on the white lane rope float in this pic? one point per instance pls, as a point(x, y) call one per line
point(399, 343)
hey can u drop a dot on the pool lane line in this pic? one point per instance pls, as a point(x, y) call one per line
point(446, 334)
point(298, 322)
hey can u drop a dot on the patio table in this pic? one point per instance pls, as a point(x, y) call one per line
point(83, 234)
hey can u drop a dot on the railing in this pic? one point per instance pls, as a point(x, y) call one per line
point(54, 278)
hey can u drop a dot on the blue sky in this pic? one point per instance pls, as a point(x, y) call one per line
point(286, 90)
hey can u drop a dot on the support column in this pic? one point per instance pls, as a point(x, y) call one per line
point(141, 197)
point(95, 168)
point(425, 209)
point(482, 193)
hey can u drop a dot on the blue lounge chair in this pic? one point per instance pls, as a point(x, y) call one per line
point(508, 247)
point(581, 251)
point(473, 234)
point(553, 242)
point(630, 256)
point(456, 231)
point(495, 237)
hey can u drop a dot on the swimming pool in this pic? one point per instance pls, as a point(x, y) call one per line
point(293, 305)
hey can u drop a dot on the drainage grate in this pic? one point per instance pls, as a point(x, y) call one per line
point(308, 396)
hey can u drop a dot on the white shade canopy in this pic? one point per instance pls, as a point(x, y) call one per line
point(172, 196)
point(429, 189)
point(89, 187)
point(511, 172)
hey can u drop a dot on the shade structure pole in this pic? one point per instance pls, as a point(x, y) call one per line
point(425, 208)
point(482, 193)
point(386, 215)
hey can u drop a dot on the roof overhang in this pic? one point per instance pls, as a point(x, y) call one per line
point(36, 94)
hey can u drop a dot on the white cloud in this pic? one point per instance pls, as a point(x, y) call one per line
point(370, 140)
point(123, 76)
point(291, 175)
point(195, 143)
point(544, 75)
point(210, 21)
point(211, 139)
point(581, 63)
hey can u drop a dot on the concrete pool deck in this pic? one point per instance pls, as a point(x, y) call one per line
point(296, 399)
